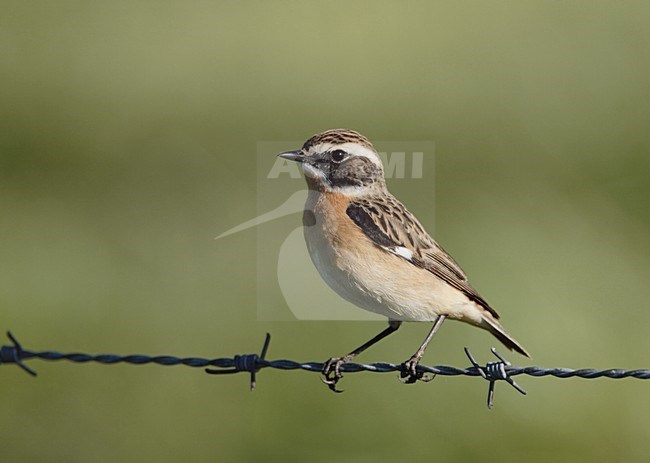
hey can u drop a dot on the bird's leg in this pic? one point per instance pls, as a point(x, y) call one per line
point(332, 368)
point(409, 368)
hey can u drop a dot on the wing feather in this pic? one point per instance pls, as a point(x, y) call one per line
point(389, 225)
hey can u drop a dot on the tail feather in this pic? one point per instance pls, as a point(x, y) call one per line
point(500, 333)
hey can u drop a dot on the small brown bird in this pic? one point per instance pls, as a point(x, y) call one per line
point(375, 254)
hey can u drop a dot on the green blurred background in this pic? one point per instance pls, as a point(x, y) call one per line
point(127, 142)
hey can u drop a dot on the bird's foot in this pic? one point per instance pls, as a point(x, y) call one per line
point(410, 373)
point(332, 371)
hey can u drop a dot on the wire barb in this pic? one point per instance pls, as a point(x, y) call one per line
point(14, 354)
point(493, 372)
point(246, 362)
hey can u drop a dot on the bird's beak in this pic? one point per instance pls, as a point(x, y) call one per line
point(296, 155)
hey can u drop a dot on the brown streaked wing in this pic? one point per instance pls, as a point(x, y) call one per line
point(388, 224)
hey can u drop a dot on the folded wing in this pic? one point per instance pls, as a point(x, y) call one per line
point(389, 225)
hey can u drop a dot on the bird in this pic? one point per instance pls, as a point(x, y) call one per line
point(374, 253)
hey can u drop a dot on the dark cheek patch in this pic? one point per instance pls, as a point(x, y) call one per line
point(353, 172)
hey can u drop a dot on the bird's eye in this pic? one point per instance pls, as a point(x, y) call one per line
point(338, 155)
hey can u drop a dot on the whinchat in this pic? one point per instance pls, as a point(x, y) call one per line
point(375, 254)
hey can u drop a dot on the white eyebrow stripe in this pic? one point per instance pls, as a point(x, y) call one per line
point(353, 148)
point(358, 150)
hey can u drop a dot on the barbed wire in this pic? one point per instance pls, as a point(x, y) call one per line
point(492, 372)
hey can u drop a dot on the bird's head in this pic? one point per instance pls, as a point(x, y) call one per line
point(340, 160)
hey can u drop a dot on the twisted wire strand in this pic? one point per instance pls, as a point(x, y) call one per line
point(492, 372)
point(284, 364)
